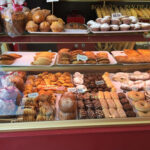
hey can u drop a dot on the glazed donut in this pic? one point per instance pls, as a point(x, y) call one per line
point(106, 113)
point(143, 106)
point(103, 103)
point(110, 103)
point(136, 96)
point(143, 114)
point(121, 113)
point(114, 113)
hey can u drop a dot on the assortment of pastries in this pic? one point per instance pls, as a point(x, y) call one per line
point(66, 56)
point(117, 24)
point(8, 59)
point(43, 58)
point(132, 56)
point(42, 20)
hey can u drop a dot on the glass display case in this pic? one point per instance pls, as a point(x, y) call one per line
point(77, 87)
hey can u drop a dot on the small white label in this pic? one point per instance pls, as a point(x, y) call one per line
point(51, 1)
point(82, 57)
point(81, 90)
point(134, 89)
point(33, 95)
point(116, 15)
point(73, 90)
point(101, 82)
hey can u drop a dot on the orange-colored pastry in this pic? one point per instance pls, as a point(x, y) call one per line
point(46, 12)
point(57, 26)
point(38, 16)
point(31, 26)
point(131, 52)
point(51, 18)
point(44, 26)
point(42, 61)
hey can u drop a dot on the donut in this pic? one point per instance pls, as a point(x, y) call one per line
point(110, 103)
point(143, 106)
point(121, 112)
point(136, 96)
point(124, 101)
point(127, 107)
point(114, 113)
point(121, 95)
point(130, 113)
point(143, 114)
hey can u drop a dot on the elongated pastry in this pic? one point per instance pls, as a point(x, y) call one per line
point(114, 113)
point(101, 95)
point(117, 102)
point(114, 95)
point(107, 95)
point(121, 113)
point(106, 113)
point(111, 103)
point(103, 103)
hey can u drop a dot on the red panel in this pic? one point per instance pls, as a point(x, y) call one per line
point(115, 138)
point(74, 38)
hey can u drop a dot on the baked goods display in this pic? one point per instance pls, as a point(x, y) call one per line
point(43, 21)
point(43, 58)
point(136, 10)
point(136, 81)
point(67, 106)
point(66, 56)
point(8, 59)
point(122, 23)
point(132, 56)
point(48, 83)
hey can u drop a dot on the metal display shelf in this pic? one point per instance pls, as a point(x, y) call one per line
point(81, 68)
point(79, 38)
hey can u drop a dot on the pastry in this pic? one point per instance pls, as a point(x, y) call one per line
point(82, 114)
point(124, 27)
point(38, 16)
point(95, 27)
point(102, 58)
point(105, 27)
point(114, 27)
point(66, 116)
point(57, 27)
point(31, 26)
point(51, 19)
point(44, 26)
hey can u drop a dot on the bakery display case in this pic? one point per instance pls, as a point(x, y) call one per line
point(75, 84)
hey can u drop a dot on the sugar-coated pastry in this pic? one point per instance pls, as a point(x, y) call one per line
point(110, 103)
point(106, 113)
point(105, 27)
point(124, 27)
point(114, 113)
point(142, 105)
point(107, 95)
point(117, 103)
point(121, 112)
point(103, 103)
point(136, 96)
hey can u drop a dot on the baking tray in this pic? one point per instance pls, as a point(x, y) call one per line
point(129, 31)
point(66, 31)
point(111, 59)
point(30, 57)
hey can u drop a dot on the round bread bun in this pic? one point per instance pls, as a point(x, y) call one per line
point(66, 116)
point(44, 26)
point(67, 104)
point(31, 26)
point(51, 18)
point(38, 16)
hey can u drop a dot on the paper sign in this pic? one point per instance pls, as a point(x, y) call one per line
point(101, 82)
point(73, 90)
point(116, 15)
point(33, 95)
point(82, 57)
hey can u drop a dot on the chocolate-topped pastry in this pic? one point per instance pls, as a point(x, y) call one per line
point(91, 114)
point(89, 104)
point(124, 101)
point(99, 114)
point(82, 114)
point(127, 107)
point(97, 104)
point(86, 95)
point(94, 96)
point(130, 113)
point(80, 104)
point(121, 95)
point(79, 96)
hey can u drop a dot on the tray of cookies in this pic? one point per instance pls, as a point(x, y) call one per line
point(80, 57)
point(28, 58)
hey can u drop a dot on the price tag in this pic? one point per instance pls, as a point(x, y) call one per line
point(81, 90)
point(82, 57)
point(51, 1)
point(33, 95)
point(116, 15)
point(101, 82)
point(134, 89)
point(73, 90)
